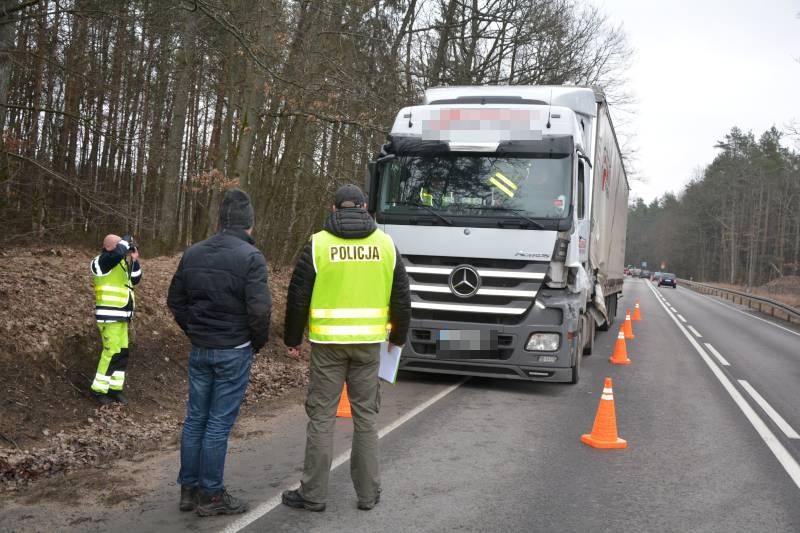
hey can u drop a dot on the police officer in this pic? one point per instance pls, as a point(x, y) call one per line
point(349, 284)
point(114, 279)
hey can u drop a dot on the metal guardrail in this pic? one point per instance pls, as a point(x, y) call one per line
point(762, 304)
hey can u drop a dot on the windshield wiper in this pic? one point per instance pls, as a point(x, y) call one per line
point(517, 212)
point(431, 211)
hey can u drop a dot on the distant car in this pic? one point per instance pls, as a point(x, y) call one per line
point(668, 279)
point(635, 272)
point(645, 274)
point(656, 275)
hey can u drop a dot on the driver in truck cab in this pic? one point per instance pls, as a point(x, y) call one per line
point(433, 194)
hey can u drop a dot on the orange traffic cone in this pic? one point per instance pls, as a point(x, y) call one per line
point(628, 326)
point(604, 431)
point(636, 316)
point(620, 355)
point(343, 410)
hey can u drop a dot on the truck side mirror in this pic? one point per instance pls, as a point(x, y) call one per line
point(371, 185)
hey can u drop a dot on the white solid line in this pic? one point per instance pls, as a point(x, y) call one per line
point(682, 319)
point(715, 353)
point(273, 502)
point(772, 413)
point(778, 450)
point(696, 333)
point(747, 314)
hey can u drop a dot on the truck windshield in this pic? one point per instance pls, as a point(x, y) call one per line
point(478, 186)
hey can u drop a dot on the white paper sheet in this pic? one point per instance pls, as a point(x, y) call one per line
point(390, 362)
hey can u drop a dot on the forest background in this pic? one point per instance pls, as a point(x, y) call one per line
point(134, 115)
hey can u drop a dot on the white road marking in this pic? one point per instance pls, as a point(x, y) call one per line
point(696, 333)
point(793, 332)
point(772, 413)
point(715, 353)
point(273, 502)
point(778, 450)
point(682, 319)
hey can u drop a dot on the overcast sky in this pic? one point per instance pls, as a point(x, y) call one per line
point(701, 67)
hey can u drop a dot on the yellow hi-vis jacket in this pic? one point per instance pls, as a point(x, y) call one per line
point(112, 292)
point(353, 284)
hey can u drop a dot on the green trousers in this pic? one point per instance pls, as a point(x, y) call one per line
point(113, 359)
point(331, 366)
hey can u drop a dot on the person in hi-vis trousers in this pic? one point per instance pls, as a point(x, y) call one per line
point(114, 279)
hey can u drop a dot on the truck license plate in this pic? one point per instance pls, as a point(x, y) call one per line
point(466, 344)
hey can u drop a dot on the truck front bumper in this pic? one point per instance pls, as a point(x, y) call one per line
point(511, 360)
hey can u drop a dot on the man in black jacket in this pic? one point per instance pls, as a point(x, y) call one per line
point(220, 298)
point(350, 286)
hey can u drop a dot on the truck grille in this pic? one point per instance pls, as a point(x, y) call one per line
point(506, 291)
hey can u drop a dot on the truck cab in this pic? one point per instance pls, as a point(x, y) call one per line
point(487, 193)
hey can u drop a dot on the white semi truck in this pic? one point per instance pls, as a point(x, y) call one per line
point(508, 206)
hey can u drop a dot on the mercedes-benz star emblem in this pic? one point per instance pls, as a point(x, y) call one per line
point(464, 281)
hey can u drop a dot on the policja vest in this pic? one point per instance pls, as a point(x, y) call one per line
point(353, 284)
point(112, 292)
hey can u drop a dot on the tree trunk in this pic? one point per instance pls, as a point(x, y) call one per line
point(177, 125)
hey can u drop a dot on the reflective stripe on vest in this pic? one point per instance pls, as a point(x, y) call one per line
point(350, 301)
point(504, 184)
point(113, 290)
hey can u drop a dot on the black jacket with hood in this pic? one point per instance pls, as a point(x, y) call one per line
point(352, 223)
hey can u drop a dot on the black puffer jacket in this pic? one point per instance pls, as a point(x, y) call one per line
point(219, 294)
point(348, 224)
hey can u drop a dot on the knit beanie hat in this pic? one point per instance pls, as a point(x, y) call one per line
point(236, 211)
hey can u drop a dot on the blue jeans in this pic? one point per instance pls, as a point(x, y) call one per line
point(218, 379)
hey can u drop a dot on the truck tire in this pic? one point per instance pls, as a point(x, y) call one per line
point(576, 368)
point(590, 332)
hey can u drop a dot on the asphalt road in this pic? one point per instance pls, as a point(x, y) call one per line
point(705, 450)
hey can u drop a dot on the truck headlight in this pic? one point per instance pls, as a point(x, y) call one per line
point(543, 342)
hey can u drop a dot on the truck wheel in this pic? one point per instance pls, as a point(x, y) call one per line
point(590, 332)
point(576, 368)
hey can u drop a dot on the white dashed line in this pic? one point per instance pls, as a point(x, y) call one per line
point(682, 319)
point(778, 450)
point(696, 333)
point(715, 353)
point(772, 413)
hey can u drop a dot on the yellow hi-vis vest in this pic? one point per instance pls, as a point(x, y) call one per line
point(350, 301)
point(112, 292)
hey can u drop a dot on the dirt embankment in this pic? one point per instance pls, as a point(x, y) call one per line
point(785, 290)
point(49, 347)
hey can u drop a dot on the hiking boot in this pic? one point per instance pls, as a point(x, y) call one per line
point(102, 398)
point(219, 503)
point(294, 499)
point(368, 506)
point(189, 497)
point(118, 397)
